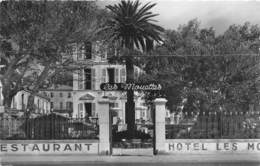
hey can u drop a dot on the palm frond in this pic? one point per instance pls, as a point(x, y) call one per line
point(133, 24)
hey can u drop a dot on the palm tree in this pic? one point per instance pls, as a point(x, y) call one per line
point(132, 26)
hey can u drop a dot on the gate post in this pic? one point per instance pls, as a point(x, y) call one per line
point(160, 114)
point(104, 127)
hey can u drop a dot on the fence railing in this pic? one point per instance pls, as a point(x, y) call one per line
point(214, 125)
point(48, 127)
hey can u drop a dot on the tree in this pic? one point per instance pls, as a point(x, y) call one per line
point(132, 26)
point(210, 73)
point(36, 35)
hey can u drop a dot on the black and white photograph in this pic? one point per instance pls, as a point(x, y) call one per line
point(129, 82)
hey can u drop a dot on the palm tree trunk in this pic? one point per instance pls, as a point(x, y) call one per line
point(130, 105)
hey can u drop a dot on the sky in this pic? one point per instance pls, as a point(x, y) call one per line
point(218, 14)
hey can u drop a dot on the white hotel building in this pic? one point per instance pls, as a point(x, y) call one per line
point(97, 70)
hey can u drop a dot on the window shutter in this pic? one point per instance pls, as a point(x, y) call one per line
point(123, 75)
point(93, 107)
point(80, 52)
point(78, 110)
point(77, 52)
point(116, 75)
point(93, 79)
point(80, 80)
point(80, 113)
point(104, 75)
point(74, 51)
point(135, 73)
point(103, 52)
point(97, 49)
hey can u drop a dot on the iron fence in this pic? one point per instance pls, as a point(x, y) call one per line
point(48, 127)
point(214, 125)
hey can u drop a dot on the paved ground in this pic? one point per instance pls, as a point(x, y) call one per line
point(142, 164)
point(164, 160)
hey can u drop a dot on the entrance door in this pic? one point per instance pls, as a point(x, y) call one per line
point(88, 109)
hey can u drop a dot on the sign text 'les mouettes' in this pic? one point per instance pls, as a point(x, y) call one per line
point(130, 86)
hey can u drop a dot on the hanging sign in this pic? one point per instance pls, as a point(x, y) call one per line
point(130, 86)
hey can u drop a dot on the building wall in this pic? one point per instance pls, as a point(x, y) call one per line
point(60, 97)
point(99, 74)
point(20, 102)
point(118, 98)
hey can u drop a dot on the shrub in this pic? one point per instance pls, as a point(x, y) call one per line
point(118, 136)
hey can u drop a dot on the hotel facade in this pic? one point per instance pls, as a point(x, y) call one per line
point(96, 70)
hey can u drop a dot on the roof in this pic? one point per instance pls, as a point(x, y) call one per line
point(38, 94)
point(59, 88)
point(54, 115)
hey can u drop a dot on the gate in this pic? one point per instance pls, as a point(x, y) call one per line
point(141, 144)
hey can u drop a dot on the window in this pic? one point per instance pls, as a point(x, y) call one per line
point(88, 52)
point(81, 53)
point(113, 105)
point(143, 114)
point(61, 105)
point(52, 94)
point(87, 78)
point(23, 106)
point(51, 105)
point(38, 104)
point(61, 95)
point(68, 105)
point(111, 75)
point(69, 95)
point(80, 79)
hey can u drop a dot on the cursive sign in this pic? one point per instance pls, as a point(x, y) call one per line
point(130, 86)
